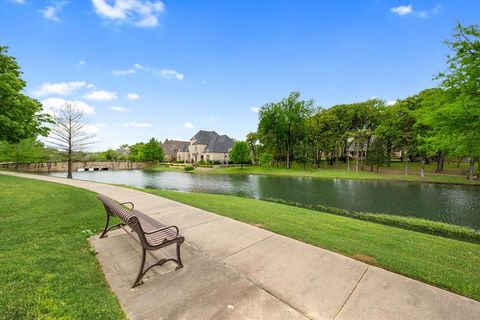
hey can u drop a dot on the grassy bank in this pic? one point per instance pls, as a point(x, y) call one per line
point(47, 270)
point(451, 175)
point(443, 262)
point(405, 222)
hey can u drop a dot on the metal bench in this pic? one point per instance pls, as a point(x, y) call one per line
point(152, 234)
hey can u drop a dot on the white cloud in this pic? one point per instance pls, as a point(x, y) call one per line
point(407, 10)
point(255, 109)
point(402, 10)
point(136, 124)
point(60, 88)
point(123, 72)
point(101, 95)
point(133, 96)
point(51, 11)
point(437, 8)
point(171, 74)
point(188, 125)
point(82, 62)
point(140, 13)
point(18, 1)
point(391, 102)
point(52, 105)
point(139, 66)
point(119, 109)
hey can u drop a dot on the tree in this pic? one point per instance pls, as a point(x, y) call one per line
point(458, 123)
point(136, 151)
point(153, 151)
point(69, 134)
point(20, 115)
point(26, 150)
point(282, 124)
point(252, 139)
point(377, 154)
point(240, 153)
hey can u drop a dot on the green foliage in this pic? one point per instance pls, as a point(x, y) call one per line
point(252, 140)
point(20, 115)
point(153, 151)
point(282, 124)
point(26, 150)
point(266, 159)
point(111, 155)
point(136, 152)
point(240, 153)
point(189, 168)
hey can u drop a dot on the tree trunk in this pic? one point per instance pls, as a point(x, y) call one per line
point(288, 156)
point(389, 153)
point(406, 165)
point(440, 161)
point(356, 158)
point(348, 163)
point(69, 155)
point(422, 168)
point(471, 168)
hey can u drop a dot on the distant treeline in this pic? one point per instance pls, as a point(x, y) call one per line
point(432, 124)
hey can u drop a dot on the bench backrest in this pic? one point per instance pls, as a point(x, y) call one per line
point(116, 209)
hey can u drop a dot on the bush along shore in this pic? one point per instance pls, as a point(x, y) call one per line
point(410, 223)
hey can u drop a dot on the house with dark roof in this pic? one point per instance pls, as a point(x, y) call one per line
point(206, 146)
point(172, 147)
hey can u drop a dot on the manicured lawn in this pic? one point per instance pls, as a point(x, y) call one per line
point(47, 270)
point(446, 263)
point(452, 174)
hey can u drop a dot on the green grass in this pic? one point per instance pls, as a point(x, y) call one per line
point(451, 175)
point(446, 263)
point(47, 269)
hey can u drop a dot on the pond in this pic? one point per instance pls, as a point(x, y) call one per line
point(458, 205)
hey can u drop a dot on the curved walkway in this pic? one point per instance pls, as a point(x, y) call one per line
point(237, 271)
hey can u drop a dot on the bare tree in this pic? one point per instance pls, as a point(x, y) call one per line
point(69, 132)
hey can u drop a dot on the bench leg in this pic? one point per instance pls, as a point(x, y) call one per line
point(140, 273)
point(105, 230)
point(179, 259)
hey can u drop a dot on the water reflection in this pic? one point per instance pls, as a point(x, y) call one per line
point(453, 204)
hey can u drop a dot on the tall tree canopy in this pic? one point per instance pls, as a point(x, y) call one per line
point(457, 122)
point(20, 115)
point(240, 153)
point(282, 124)
point(153, 151)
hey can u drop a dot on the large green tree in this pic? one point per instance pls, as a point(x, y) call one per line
point(457, 123)
point(240, 153)
point(282, 124)
point(153, 151)
point(21, 117)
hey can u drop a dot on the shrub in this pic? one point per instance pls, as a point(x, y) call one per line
point(189, 168)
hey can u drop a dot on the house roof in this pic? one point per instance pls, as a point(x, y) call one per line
point(173, 146)
point(213, 141)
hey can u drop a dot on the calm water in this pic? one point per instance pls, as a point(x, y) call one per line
point(453, 204)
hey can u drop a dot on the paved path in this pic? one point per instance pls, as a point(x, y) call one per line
point(237, 271)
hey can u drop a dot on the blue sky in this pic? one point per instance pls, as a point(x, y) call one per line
point(169, 68)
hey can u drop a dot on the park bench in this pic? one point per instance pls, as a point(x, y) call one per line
point(152, 235)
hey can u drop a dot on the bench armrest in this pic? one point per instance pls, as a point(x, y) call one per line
point(162, 229)
point(130, 203)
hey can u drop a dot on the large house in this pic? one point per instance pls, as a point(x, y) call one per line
point(172, 147)
point(206, 146)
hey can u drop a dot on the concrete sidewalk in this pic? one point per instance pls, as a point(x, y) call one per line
point(237, 271)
